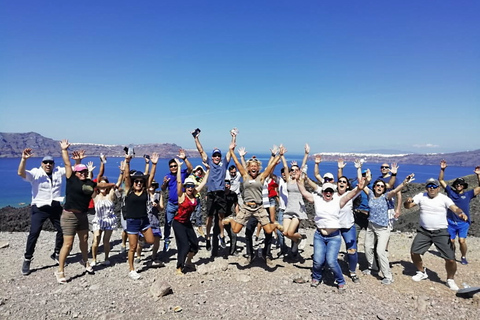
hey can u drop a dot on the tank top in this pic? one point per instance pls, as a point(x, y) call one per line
point(185, 209)
point(252, 190)
point(136, 206)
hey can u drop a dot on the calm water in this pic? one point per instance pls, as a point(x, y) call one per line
point(16, 192)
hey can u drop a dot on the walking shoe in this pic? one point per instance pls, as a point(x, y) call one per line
point(452, 285)
point(387, 281)
point(222, 242)
point(208, 245)
point(26, 267)
point(464, 260)
point(157, 264)
point(420, 275)
point(354, 278)
point(54, 257)
point(315, 283)
point(134, 275)
point(342, 288)
point(367, 272)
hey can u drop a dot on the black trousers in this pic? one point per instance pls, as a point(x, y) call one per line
point(38, 217)
point(186, 241)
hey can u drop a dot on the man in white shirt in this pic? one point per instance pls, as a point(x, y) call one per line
point(433, 230)
point(46, 184)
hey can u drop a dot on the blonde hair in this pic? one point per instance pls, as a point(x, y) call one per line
point(251, 160)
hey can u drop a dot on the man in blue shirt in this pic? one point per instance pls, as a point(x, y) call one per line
point(216, 203)
point(461, 197)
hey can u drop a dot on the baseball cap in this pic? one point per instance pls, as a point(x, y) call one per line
point(47, 158)
point(432, 181)
point(80, 167)
point(329, 185)
point(216, 150)
point(328, 175)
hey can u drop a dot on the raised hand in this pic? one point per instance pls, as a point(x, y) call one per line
point(409, 178)
point(274, 149)
point(103, 159)
point(181, 154)
point(64, 144)
point(282, 150)
point(179, 163)
point(317, 159)
point(154, 158)
point(242, 152)
point(27, 153)
point(81, 154)
point(357, 163)
point(307, 148)
point(394, 168)
point(90, 166)
point(443, 164)
point(293, 163)
point(477, 170)
point(341, 163)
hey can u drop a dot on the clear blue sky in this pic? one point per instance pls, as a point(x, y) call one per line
point(340, 75)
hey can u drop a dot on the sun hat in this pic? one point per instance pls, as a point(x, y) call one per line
point(188, 181)
point(198, 167)
point(460, 181)
point(80, 167)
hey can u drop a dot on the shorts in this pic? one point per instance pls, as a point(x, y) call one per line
point(216, 202)
point(72, 222)
point(134, 226)
point(246, 212)
point(291, 215)
point(459, 228)
point(272, 201)
point(425, 238)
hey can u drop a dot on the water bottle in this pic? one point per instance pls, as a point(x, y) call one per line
point(131, 152)
point(102, 157)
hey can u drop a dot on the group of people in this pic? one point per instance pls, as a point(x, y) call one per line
point(242, 195)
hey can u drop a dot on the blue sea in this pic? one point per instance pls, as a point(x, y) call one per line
point(16, 193)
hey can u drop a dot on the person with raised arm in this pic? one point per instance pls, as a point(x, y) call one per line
point(378, 230)
point(216, 204)
point(136, 198)
point(461, 198)
point(74, 220)
point(252, 195)
point(46, 182)
point(327, 240)
point(433, 229)
point(187, 242)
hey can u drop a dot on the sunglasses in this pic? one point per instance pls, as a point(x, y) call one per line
point(138, 181)
point(379, 185)
point(432, 186)
point(342, 181)
point(328, 190)
point(47, 162)
point(328, 179)
point(216, 155)
point(189, 186)
point(173, 166)
point(384, 167)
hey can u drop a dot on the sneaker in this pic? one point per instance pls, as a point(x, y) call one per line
point(138, 260)
point(222, 242)
point(367, 272)
point(354, 278)
point(208, 245)
point(26, 267)
point(452, 285)
point(342, 288)
point(387, 281)
point(157, 264)
point(464, 260)
point(315, 283)
point(134, 275)
point(420, 275)
point(93, 263)
point(55, 257)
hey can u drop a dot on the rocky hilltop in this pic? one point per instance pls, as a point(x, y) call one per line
point(12, 145)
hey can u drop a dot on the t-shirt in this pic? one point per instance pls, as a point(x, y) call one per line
point(231, 198)
point(78, 193)
point(235, 182)
point(433, 211)
point(327, 213)
point(172, 185)
point(216, 178)
point(346, 213)
point(462, 201)
point(378, 209)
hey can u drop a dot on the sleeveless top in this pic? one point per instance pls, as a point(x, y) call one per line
point(136, 206)
point(252, 190)
point(295, 202)
point(185, 209)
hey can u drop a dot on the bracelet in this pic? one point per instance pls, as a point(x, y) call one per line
point(394, 174)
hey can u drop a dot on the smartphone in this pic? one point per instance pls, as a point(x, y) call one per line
point(126, 150)
point(146, 156)
point(196, 132)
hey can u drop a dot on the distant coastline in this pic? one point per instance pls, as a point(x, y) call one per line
point(12, 145)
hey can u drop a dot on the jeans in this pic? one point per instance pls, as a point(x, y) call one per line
point(170, 212)
point(325, 249)
point(38, 217)
point(349, 236)
point(381, 234)
point(280, 236)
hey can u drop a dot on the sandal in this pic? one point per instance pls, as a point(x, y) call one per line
point(88, 267)
point(60, 277)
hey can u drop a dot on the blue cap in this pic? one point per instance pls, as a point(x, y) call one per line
point(47, 158)
point(216, 150)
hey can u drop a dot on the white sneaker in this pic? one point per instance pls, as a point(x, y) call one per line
point(452, 285)
point(420, 275)
point(134, 275)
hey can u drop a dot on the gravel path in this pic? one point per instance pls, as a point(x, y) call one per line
point(228, 288)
